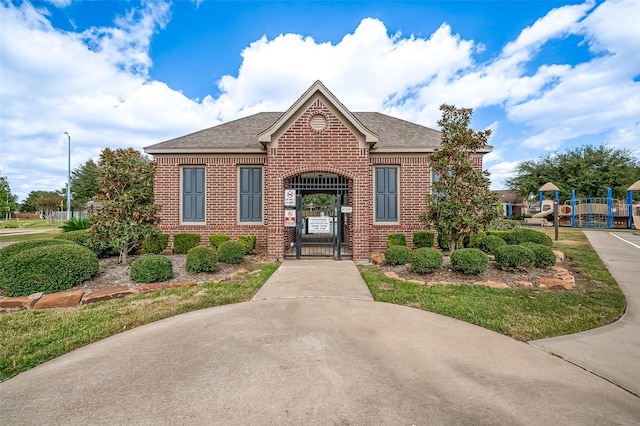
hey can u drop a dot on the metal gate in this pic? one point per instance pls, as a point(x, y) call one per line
point(320, 229)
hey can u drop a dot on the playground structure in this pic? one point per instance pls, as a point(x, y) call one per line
point(594, 212)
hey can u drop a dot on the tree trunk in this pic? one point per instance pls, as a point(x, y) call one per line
point(124, 251)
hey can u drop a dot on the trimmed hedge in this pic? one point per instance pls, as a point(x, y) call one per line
point(396, 240)
point(13, 249)
point(443, 241)
point(501, 234)
point(544, 255)
point(514, 257)
point(48, 269)
point(397, 255)
point(216, 239)
point(231, 252)
point(151, 268)
point(524, 235)
point(489, 243)
point(78, 237)
point(425, 260)
point(156, 244)
point(469, 261)
point(248, 242)
point(473, 240)
point(423, 238)
point(182, 243)
point(503, 224)
point(201, 259)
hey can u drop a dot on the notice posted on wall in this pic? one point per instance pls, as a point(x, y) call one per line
point(319, 224)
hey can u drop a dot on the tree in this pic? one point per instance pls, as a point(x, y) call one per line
point(7, 200)
point(85, 183)
point(588, 169)
point(128, 212)
point(45, 202)
point(460, 202)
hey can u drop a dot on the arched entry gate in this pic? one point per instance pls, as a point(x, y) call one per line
point(321, 228)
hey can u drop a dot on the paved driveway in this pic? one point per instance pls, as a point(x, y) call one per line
point(613, 351)
point(312, 358)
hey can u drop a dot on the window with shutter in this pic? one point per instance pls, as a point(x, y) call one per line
point(193, 190)
point(250, 194)
point(386, 194)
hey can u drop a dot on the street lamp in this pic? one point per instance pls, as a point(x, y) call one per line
point(69, 179)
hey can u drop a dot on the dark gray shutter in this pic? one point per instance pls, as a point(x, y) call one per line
point(250, 194)
point(386, 194)
point(193, 194)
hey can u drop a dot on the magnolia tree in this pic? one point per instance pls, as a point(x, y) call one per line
point(128, 213)
point(461, 202)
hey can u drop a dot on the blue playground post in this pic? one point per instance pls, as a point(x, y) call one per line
point(609, 208)
point(630, 208)
point(541, 198)
point(573, 208)
point(558, 196)
point(509, 210)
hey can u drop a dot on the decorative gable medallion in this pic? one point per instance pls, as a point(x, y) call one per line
point(318, 122)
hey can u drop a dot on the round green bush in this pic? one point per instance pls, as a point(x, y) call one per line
point(78, 237)
point(514, 257)
point(231, 252)
point(425, 260)
point(48, 269)
point(397, 255)
point(151, 268)
point(524, 235)
point(489, 243)
point(469, 261)
point(544, 255)
point(13, 249)
point(201, 259)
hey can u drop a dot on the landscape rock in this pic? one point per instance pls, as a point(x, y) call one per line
point(552, 283)
point(35, 296)
point(392, 275)
point(495, 284)
point(377, 258)
point(559, 255)
point(524, 283)
point(65, 299)
point(416, 282)
point(108, 293)
point(16, 303)
point(181, 284)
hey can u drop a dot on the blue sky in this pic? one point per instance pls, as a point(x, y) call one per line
point(543, 75)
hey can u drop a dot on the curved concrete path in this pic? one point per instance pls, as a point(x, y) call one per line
point(316, 358)
point(613, 351)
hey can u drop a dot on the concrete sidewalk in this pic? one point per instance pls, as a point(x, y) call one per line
point(613, 351)
point(315, 278)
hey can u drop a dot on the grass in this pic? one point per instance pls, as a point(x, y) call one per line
point(29, 338)
point(524, 314)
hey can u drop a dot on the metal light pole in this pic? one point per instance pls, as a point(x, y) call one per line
point(69, 179)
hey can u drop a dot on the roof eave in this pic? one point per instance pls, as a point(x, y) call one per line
point(204, 151)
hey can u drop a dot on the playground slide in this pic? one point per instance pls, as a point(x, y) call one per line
point(542, 214)
point(539, 218)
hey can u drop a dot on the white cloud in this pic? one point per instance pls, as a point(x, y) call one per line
point(500, 172)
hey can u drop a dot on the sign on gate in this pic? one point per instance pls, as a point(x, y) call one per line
point(319, 224)
point(290, 197)
point(289, 217)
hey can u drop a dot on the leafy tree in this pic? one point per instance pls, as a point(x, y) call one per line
point(7, 200)
point(85, 183)
point(45, 202)
point(321, 200)
point(588, 169)
point(461, 202)
point(128, 213)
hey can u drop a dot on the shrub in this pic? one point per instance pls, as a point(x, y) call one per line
point(396, 240)
point(425, 260)
point(248, 242)
point(182, 243)
point(443, 241)
point(473, 240)
point(13, 249)
point(489, 243)
point(523, 235)
point(469, 261)
point(397, 255)
point(151, 268)
point(78, 237)
point(216, 239)
point(76, 224)
point(501, 234)
point(544, 255)
point(155, 244)
point(514, 257)
point(503, 224)
point(201, 259)
point(231, 252)
point(48, 269)
point(423, 238)
point(8, 225)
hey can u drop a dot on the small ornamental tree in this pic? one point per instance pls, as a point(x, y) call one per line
point(461, 202)
point(128, 213)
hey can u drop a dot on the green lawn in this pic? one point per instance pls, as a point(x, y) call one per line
point(29, 338)
point(524, 314)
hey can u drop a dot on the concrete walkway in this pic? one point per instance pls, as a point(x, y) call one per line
point(327, 356)
point(613, 351)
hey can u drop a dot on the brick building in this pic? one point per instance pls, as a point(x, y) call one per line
point(232, 178)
